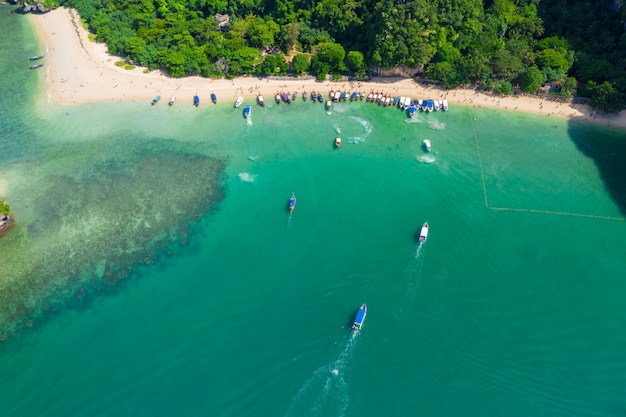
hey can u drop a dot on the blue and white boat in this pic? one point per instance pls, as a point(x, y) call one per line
point(360, 317)
point(292, 202)
point(411, 111)
point(213, 98)
point(430, 106)
point(156, 99)
point(247, 110)
point(196, 100)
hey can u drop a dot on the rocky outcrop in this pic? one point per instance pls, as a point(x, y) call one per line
point(5, 223)
point(34, 8)
point(405, 72)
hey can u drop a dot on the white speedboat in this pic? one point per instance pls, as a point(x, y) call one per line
point(172, 100)
point(360, 317)
point(260, 100)
point(424, 232)
point(337, 142)
point(426, 144)
point(239, 101)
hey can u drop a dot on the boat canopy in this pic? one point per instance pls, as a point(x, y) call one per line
point(360, 316)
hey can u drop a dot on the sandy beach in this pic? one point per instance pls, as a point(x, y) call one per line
point(78, 70)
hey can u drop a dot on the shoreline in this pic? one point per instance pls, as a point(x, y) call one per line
point(78, 71)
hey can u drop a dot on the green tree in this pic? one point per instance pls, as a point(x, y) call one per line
point(329, 55)
point(531, 80)
point(505, 65)
point(442, 72)
point(567, 86)
point(5, 208)
point(552, 58)
point(300, 63)
point(354, 61)
point(290, 34)
point(261, 33)
point(605, 97)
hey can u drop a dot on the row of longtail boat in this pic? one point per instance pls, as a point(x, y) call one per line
point(380, 98)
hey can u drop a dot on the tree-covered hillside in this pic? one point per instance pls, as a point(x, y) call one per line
point(497, 43)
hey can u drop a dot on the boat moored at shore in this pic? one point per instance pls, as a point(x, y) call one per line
point(196, 100)
point(360, 317)
point(239, 101)
point(247, 110)
point(260, 100)
point(172, 100)
point(213, 98)
point(36, 57)
point(36, 66)
point(156, 99)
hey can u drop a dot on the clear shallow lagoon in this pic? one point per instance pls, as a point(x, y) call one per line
point(154, 269)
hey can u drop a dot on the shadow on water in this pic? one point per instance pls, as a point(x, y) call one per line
point(607, 148)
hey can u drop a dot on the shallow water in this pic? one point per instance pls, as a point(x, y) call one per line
point(155, 269)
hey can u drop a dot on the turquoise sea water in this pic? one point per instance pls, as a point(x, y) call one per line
point(154, 269)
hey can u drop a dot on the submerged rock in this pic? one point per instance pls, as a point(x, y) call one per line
point(95, 224)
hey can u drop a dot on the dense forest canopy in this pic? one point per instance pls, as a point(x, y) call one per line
point(499, 44)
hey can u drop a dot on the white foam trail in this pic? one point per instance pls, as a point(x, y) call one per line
point(253, 157)
point(425, 159)
point(412, 120)
point(337, 129)
point(326, 392)
point(247, 177)
point(249, 121)
point(367, 126)
point(436, 125)
point(355, 140)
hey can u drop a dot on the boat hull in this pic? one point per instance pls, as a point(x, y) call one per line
point(424, 233)
point(360, 317)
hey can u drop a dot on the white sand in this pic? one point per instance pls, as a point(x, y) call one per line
point(79, 71)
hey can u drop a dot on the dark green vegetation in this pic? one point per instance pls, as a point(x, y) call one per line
point(5, 208)
point(499, 44)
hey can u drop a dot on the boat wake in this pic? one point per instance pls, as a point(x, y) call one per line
point(367, 126)
point(410, 281)
point(413, 120)
point(325, 393)
point(247, 177)
point(356, 140)
point(436, 125)
point(425, 159)
point(248, 121)
point(253, 157)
